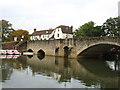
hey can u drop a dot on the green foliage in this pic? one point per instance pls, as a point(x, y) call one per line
point(6, 30)
point(109, 28)
point(89, 30)
point(112, 26)
point(19, 33)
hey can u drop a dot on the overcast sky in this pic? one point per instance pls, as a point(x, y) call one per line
point(45, 14)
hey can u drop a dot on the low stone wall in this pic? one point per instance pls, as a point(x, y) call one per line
point(21, 46)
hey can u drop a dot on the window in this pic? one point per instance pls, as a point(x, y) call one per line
point(58, 35)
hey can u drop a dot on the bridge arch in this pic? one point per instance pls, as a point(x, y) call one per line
point(56, 51)
point(29, 50)
point(96, 49)
point(41, 54)
point(66, 51)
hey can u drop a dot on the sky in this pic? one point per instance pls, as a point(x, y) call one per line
point(46, 14)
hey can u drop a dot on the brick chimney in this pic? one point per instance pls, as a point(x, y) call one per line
point(72, 28)
point(34, 29)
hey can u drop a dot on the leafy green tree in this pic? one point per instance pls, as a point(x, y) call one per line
point(112, 26)
point(89, 30)
point(6, 30)
point(21, 34)
point(97, 31)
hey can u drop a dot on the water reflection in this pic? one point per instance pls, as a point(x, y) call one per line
point(41, 56)
point(30, 56)
point(6, 72)
point(9, 56)
point(89, 73)
point(113, 65)
point(99, 72)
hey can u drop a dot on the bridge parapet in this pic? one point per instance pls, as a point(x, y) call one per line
point(96, 46)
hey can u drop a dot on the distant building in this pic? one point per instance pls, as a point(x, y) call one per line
point(60, 32)
point(41, 35)
point(16, 38)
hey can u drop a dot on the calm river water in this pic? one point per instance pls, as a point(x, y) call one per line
point(58, 72)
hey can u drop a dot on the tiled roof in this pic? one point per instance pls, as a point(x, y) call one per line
point(66, 29)
point(42, 32)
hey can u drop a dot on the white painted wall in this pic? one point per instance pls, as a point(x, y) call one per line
point(61, 35)
point(58, 31)
point(69, 35)
point(40, 37)
point(45, 36)
point(15, 38)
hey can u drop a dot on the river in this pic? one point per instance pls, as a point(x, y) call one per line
point(58, 72)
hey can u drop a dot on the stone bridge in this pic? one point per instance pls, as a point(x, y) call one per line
point(73, 48)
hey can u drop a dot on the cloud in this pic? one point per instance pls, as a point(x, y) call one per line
point(45, 14)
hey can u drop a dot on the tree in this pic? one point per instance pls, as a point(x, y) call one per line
point(112, 26)
point(6, 30)
point(97, 32)
point(21, 34)
point(89, 30)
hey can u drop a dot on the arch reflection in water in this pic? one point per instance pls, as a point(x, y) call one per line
point(30, 56)
point(41, 54)
point(80, 73)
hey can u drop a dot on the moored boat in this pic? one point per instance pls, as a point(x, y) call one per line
point(28, 53)
point(9, 52)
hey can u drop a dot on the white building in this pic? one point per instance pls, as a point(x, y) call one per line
point(16, 38)
point(60, 32)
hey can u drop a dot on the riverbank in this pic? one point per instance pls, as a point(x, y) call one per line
point(8, 45)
